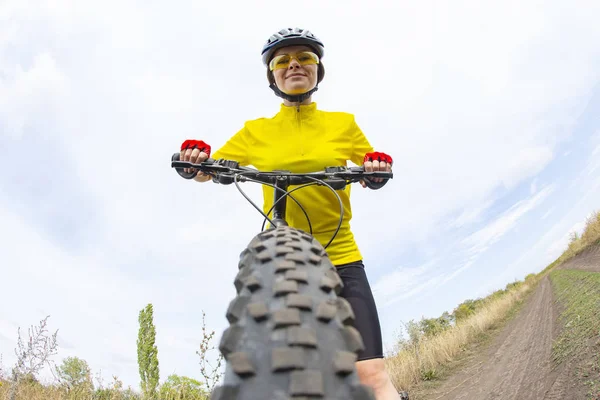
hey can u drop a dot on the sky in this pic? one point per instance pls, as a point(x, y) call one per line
point(491, 112)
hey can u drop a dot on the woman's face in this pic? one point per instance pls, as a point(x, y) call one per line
point(295, 78)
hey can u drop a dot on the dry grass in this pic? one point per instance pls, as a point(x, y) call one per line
point(410, 366)
point(32, 392)
point(589, 237)
point(37, 391)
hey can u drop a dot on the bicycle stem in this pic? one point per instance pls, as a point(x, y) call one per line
point(278, 219)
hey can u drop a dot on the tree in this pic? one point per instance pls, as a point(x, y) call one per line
point(434, 326)
point(33, 354)
point(573, 237)
point(212, 376)
point(415, 335)
point(181, 387)
point(463, 311)
point(2, 371)
point(75, 374)
point(148, 354)
point(466, 309)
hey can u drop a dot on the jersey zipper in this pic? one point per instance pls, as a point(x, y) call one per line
point(299, 120)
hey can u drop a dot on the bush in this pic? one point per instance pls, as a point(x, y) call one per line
point(182, 388)
point(434, 326)
point(75, 374)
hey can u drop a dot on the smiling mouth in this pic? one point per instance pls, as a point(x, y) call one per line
point(291, 76)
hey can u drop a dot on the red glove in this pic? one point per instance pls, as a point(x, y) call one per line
point(376, 156)
point(196, 144)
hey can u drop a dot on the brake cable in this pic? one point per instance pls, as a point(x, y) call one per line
point(288, 194)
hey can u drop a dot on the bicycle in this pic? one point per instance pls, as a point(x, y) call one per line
point(290, 335)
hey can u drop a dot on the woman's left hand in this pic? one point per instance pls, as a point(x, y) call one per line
point(377, 162)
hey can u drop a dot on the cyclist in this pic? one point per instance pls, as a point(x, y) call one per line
point(301, 138)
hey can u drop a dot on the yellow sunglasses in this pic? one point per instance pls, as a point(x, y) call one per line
point(284, 60)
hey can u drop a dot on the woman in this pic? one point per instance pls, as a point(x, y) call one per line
point(301, 138)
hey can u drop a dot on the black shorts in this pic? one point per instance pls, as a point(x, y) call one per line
point(357, 292)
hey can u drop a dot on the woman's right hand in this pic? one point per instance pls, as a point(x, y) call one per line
point(195, 151)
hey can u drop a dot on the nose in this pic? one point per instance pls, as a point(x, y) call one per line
point(294, 64)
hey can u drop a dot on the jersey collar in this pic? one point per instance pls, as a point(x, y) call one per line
point(302, 110)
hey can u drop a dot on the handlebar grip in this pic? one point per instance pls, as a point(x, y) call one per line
point(375, 185)
point(185, 175)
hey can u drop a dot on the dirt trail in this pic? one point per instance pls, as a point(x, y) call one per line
point(518, 363)
point(589, 260)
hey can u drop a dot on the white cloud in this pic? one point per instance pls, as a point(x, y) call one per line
point(466, 106)
point(470, 214)
point(559, 245)
point(594, 161)
point(27, 90)
point(547, 213)
point(481, 240)
point(533, 186)
point(569, 215)
point(533, 160)
point(406, 283)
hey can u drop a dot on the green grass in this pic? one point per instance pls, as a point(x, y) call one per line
point(578, 293)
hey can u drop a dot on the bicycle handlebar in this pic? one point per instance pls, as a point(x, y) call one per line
point(227, 171)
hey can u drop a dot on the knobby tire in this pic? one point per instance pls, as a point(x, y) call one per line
point(290, 335)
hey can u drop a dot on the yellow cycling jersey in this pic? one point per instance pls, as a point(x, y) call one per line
point(304, 139)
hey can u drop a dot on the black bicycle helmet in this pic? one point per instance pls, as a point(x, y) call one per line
point(292, 37)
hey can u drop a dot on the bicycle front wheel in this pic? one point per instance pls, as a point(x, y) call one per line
point(290, 335)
